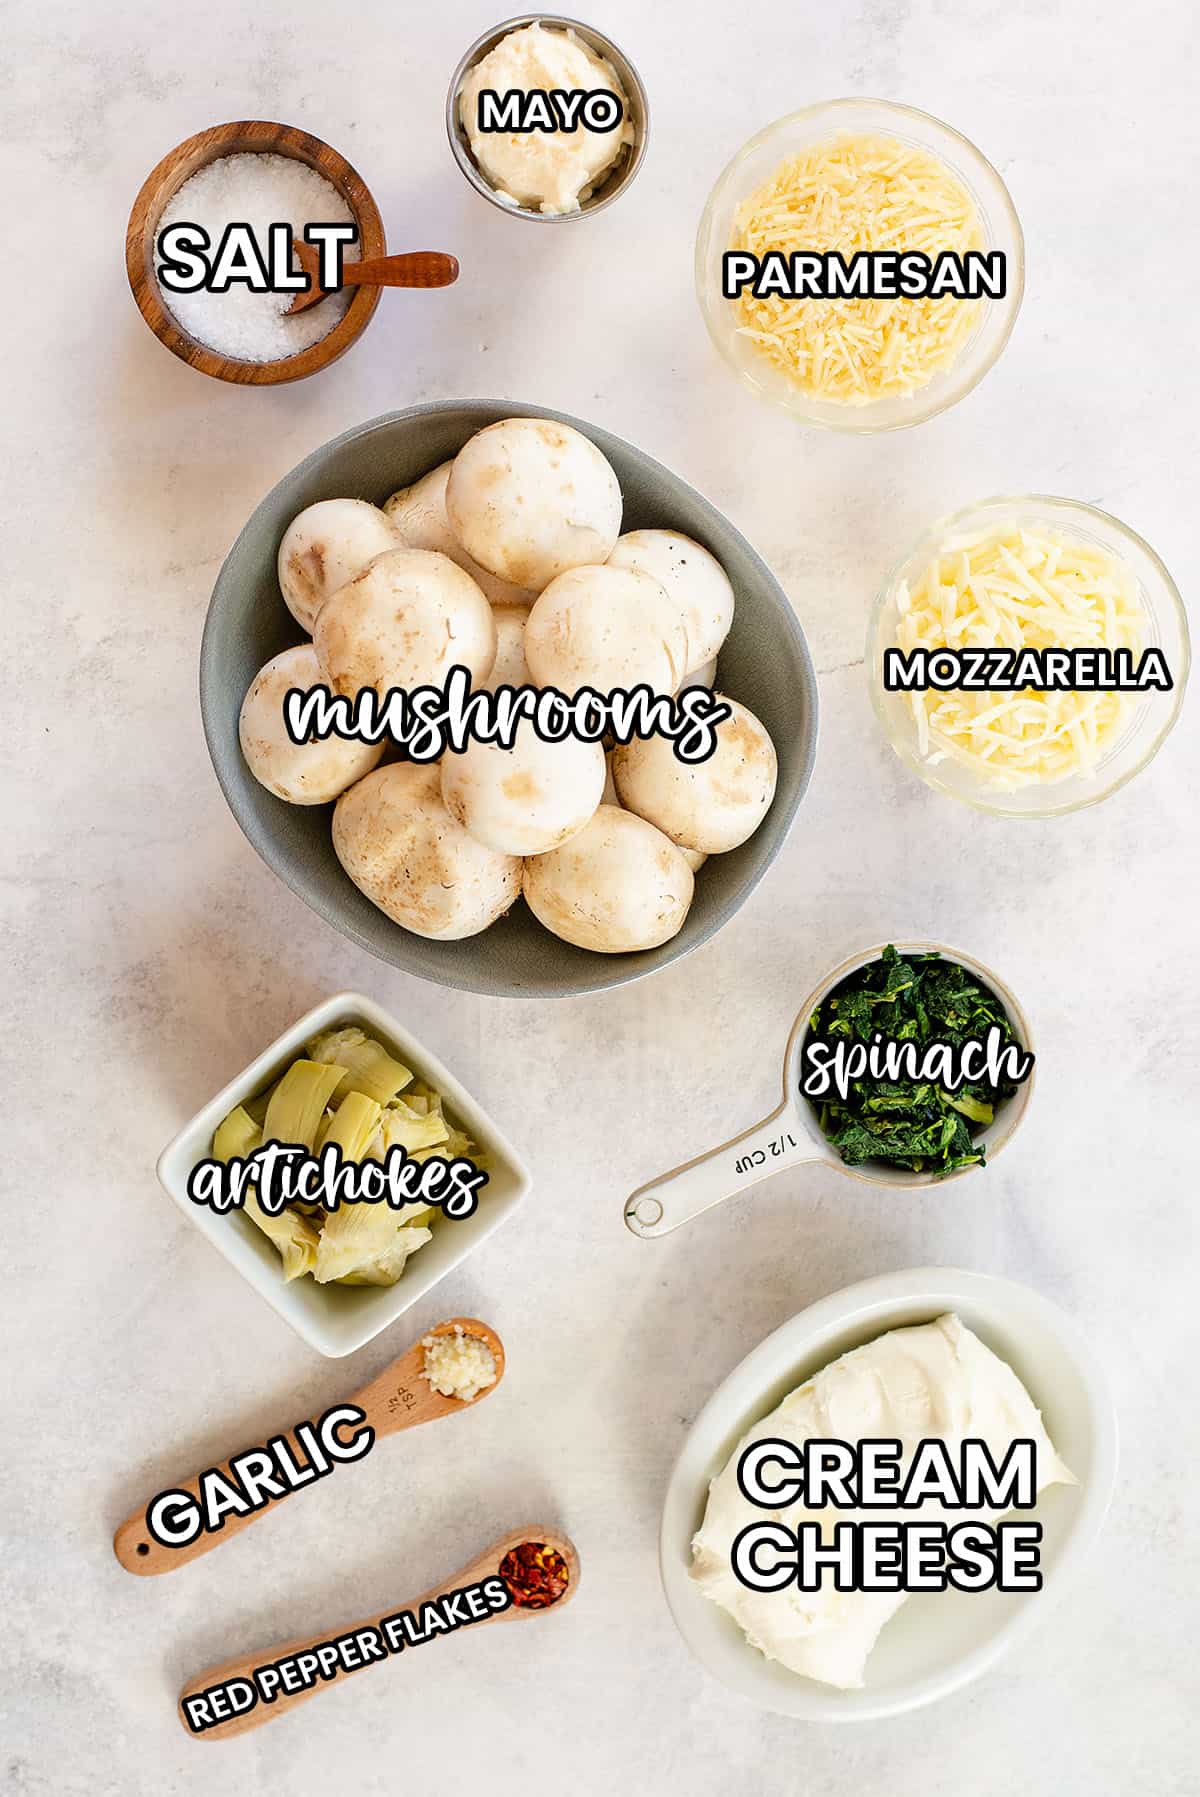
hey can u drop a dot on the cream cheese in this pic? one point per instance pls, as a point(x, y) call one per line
point(931, 1380)
point(547, 171)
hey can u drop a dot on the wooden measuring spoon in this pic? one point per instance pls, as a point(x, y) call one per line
point(400, 1398)
point(416, 268)
point(481, 1567)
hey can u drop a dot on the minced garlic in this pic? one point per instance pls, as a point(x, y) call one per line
point(458, 1365)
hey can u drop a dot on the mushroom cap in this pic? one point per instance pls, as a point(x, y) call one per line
point(401, 847)
point(310, 773)
point(712, 805)
point(418, 514)
point(529, 498)
point(528, 799)
point(509, 667)
point(618, 886)
point(605, 627)
point(326, 545)
point(692, 577)
point(405, 621)
point(611, 796)
point(705, 675)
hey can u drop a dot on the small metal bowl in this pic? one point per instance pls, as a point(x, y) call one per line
point(623, 171)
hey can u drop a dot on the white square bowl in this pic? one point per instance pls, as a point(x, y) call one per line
point(337, 1319)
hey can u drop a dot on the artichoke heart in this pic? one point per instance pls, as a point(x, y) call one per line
point(256, 1108)
point(298, 1103)
point(295, 1237)
point(371, 1241)
point(387, 1267)
point(351, 1127)
point(402, 1127)
point(237, 1136)
point(456, 1146)
point(366, 1065)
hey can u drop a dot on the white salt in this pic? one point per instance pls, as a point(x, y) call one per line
point(258, 190)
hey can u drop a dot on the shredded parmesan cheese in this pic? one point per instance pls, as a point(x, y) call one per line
point(854, 193)
point(1020, 587)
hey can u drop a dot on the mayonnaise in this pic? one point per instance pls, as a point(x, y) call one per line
point(551, 171)
point(932, 1380)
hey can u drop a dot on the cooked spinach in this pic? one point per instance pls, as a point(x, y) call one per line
point(920, 998)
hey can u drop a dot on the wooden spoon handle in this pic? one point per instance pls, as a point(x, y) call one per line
point(416, 268)
point(397, 1398)
point(363, 1638)
point(137, 1548)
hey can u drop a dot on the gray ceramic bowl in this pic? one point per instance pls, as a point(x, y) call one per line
point(765, 663)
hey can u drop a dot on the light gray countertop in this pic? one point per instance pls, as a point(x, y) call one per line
point(152, 954)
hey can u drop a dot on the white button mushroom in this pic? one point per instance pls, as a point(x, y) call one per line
point(509, 667)
point(326, 545)
point(401, 847)
point(692, 577)
point(617, 887)
point(528, 799)
point(605, 627)
point(404, 622)
point(528, 498)
point(710, 805)
point(311, 773)
point(611, 796)
point(419, 515)
point(705, 676)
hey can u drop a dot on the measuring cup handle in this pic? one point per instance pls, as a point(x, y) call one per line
point(779, 1141)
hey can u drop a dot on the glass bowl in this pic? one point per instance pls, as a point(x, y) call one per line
point(757, 160)
point(1152, 714)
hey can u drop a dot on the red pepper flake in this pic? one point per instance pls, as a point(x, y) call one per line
point(536, 1575)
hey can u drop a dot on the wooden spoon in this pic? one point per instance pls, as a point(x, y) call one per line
point(484, 1565)
point(400, 1398)
point(416, 268)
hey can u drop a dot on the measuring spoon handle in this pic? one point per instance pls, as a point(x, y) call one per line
point(779, 1141)
point(364, 1635)
point(245, 1666)
point(400, 1397)
point(137, 1546)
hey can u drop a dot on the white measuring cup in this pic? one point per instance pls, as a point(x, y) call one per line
point(791, 1135)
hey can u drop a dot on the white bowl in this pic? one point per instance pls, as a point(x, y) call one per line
point(937, 1642)
point(337, 1319)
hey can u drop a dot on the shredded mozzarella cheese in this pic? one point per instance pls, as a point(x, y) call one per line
point(855, 193)
point(1020, 587)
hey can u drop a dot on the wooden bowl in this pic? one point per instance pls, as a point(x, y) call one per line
point(165, 181)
